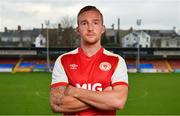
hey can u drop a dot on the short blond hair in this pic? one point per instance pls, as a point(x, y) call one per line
point(88, 8)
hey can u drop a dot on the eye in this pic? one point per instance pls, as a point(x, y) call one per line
point(83, 23)
point(96, 22)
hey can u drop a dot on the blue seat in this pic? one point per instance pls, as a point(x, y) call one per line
point(6, 65)
point(130, 66)
point(26, 64)
point(40, 66)
point(147, 66)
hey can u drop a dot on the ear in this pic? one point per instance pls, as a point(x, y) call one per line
point(77, 30)
point(103, 29)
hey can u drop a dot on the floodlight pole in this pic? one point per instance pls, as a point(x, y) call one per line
point(138, 46)
point(47, 45)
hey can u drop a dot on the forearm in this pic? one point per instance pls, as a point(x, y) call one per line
point(63, 103)
point(100, 100)
point(105, 100)
point(71, 104)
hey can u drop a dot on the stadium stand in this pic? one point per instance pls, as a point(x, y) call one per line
point(7, 65)
point(24, 65)
point(157, 65)
point(149, 66)
point(39, 65)
point(175, 64)
point(131, 65)
point(33, 65)
point(34, 59)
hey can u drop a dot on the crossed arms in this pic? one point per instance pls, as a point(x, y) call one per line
point(72, 99)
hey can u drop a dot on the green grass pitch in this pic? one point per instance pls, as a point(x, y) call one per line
point(28, 94)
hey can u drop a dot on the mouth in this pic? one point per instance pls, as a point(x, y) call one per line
point(90, 34)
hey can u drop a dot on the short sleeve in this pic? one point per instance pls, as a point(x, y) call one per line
point(120, 76)
point(59, 77)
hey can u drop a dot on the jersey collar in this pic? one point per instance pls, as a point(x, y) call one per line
point(81, 52)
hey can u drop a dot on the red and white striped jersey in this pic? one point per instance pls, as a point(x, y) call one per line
point(92, 73)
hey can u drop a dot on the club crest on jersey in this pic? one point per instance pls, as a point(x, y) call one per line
point(73, 66)
point(105, 66)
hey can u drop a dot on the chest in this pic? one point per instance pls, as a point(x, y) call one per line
point(90, 72)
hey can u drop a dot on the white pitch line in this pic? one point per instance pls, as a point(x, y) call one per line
point(39, 95)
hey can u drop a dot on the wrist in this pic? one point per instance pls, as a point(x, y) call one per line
point(76, 92)
point(72, 91)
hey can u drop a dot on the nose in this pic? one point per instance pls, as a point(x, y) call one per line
point(90, 27)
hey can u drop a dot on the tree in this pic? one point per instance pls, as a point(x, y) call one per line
point(67, 22)
point(63, 33)
point(68, 35)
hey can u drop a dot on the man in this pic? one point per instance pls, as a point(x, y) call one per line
point(89, 80)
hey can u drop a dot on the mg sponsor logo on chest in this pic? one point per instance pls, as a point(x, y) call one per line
point(89, 86)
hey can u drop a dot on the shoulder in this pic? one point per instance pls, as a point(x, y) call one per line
point(111, 54)
point(73, 52)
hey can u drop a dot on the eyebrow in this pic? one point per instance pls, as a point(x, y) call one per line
point(94, 20)
point(83, 21)
point(97, 20)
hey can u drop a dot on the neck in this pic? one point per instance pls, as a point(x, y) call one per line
point(90, 50)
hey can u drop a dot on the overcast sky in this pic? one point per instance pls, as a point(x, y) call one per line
point(155, 14)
